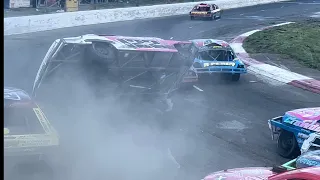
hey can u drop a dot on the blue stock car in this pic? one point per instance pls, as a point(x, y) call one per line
point(293, 128)
point(216, 56)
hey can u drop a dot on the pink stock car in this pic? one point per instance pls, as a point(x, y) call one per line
point(118, 66)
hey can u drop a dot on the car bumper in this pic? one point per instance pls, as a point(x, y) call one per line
point(274, 126)
point(221, 70)
point(201, 15)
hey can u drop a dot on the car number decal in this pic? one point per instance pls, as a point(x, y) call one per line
point(305, 125)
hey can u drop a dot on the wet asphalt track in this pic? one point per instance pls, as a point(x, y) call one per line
point(230, 118)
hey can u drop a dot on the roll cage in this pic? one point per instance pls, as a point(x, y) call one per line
point(132, 71)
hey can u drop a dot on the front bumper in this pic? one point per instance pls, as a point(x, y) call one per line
point(276, 125)
point(221, 70)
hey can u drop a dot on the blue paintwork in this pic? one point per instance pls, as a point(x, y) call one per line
point(216, 66)
point(300, 133)
point(219, 68)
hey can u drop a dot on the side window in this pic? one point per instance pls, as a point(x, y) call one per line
point(213, 7)
point(216, 7)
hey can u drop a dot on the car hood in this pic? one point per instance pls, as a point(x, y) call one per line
point(305, 114)
point(256, 173)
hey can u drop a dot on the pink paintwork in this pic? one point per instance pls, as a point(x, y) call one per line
point(169, 44)
point(311, 114)
point(241, 174)
point(157, 49)
point(264, 173)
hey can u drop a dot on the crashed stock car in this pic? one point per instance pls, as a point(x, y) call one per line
point(293, 128)
point(207, 11)
point(216, 56)
point(29, 139)
point(118, 65)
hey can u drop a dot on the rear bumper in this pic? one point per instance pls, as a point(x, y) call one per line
point(276, 125)
point(221, 70)
point(200, 15)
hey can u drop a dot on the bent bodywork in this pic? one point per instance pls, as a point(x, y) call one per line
point(120, 65)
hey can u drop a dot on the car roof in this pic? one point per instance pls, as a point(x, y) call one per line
point(13, 95)
point(204, 5)
point(203, 42)
point(312, 113)
point(121, 42)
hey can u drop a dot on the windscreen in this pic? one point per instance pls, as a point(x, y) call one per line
point(217, 55)
point(21, 121)
point(203, 8)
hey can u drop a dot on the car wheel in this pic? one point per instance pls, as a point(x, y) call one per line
point(287, 146)
point(235, 77)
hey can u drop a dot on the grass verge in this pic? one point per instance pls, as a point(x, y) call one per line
point(299, 41)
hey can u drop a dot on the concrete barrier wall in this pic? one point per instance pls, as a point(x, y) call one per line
point(19, 3)
point(35, 23)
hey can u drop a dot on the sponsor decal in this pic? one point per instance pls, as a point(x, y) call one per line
point(306, 125)
point(198, 12)
point(219, 64)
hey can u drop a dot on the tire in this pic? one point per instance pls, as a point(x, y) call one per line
point(235, 77)
point(287, 145)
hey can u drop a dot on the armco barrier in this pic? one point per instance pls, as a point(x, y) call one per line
point(35, 23)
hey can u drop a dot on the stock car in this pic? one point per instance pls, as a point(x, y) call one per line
point(205, 11)
point(117, 66)
point(29, 138)
point(293, 128)
point(216, 56)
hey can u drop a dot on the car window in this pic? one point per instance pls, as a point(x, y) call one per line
point(21, 120)
point(203, 8)
point(213, 7)
point(216, 55)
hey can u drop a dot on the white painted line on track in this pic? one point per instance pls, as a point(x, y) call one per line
point(173, 159)
point(197, 88)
